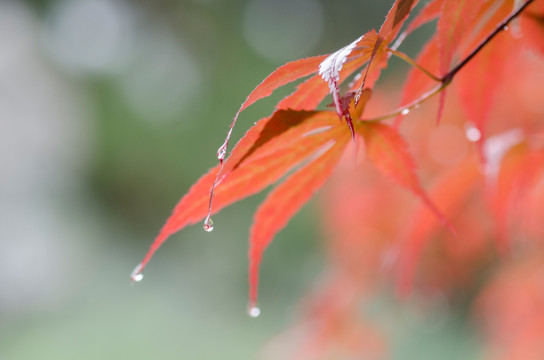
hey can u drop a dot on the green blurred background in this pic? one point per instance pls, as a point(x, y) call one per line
point(109, 111)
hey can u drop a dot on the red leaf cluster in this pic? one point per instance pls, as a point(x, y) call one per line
point(483, 168)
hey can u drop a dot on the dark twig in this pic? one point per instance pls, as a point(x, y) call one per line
point(500, 27)
point(447, 78)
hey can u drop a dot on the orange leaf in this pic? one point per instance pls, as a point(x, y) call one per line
point(389, 153)
point(518, 170)
point(479, 81)
point(281, 130)
point(283, 75)
point(388, 31)
point(310, 93)
point(331, 67)
point(451, 192)
point(395, 18)
point(283, 202)
point(458, 17)
point(532, 25)
point(512, 299)
point(267, 152)
point(431, 11)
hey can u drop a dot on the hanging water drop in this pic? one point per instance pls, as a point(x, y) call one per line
point(254, 311)
point(136, 274)
point(208, 224)
point(222, 151)
point(405, 111)
point(505, 27)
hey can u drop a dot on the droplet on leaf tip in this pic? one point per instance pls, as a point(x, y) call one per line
point(222, 152)
point(136, 274)
point(208, 224)
point(253, 311)
point(405, 111)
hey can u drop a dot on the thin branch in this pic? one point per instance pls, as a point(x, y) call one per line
point(500, 27)
point(447, 78)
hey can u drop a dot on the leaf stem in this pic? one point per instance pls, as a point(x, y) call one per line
point(410, 61)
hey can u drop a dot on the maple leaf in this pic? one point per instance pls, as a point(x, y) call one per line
point(450, 192)
point(457, 19)
point(330, 69)
point(479, 82)
point(283, 75)
point(519, 172)
point(513, 299)
point(389, 152)
point(268, 151)
point(388, 32)
point(299, 147)
point(431, 11)
point(377, 58)
point(283, 202)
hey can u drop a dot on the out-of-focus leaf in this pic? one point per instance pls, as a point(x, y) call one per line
point(389, 153)
point(532, 26)
point(458, 17)
point(513, 299)
point(457, 20)
point(479, 81)
point(519, 168)
point(450, 192)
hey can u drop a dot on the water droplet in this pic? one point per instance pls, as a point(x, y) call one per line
point(254, 311)
point(472, 133)
point(208, 224)
point(136, 274)
point(505, 28)
point(222, 151)
point(417, 105)
point(405, 112)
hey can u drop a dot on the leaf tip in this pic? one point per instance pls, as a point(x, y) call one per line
point(136, 275)
point(222, 151)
